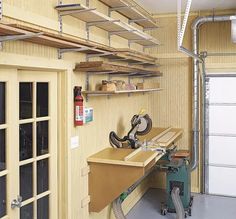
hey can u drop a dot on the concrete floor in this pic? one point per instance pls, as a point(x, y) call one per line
point(204, 207)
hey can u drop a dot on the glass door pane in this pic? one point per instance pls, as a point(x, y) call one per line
point(34, 149)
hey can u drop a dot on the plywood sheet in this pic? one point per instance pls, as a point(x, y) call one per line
point(117, 156)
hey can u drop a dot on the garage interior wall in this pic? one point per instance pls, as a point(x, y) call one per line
point(170, 107)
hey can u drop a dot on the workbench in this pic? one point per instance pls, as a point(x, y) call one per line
point(114, 170)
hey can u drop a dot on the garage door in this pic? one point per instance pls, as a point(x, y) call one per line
point(221, 136)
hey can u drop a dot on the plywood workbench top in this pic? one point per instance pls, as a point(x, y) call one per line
point(117, 156)
point(114, 170)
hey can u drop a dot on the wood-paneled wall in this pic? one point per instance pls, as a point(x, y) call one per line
point(169, 107)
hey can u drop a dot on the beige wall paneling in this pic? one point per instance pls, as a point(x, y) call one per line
point(172, 106)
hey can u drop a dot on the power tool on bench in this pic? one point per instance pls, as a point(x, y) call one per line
point(141, 124)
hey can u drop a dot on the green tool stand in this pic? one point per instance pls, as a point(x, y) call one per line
point(177, 175)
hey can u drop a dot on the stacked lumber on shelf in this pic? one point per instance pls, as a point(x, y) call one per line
point(111, 68)
point(65, 41)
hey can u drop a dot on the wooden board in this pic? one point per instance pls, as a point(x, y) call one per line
point(117, 156)
point(159, 132)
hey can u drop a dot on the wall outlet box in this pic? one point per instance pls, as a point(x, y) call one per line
point(88, 114)
point(74, 142)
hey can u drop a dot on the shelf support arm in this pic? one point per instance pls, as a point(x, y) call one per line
point(19, 37)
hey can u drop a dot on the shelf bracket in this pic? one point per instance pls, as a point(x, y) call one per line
point(0, 9)
point(87, 85)
point(19, 37)
point(61, 51)
point(93, 23)
point(151, 46)
point(137, 20)
point(116, 60)
point(70, 12)
point(120, 31)
point(121, 7)
point(136, 40)
point(102, 72)
point(151, 28)
point(99, 55)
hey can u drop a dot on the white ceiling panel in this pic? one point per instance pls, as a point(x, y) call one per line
point(170, 6)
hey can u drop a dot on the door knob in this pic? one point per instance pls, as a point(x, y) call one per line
point(16, 203)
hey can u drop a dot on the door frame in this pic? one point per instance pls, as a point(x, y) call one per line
point(64, 70)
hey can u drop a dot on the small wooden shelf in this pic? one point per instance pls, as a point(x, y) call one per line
point(115, 27)
point(132, 11)
point(107, 93)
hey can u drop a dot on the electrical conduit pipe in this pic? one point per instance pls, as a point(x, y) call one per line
point(195, 44)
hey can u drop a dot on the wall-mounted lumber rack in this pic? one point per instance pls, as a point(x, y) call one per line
point(67, 43)
point(103, 68)
point(133, 12)
point(100, 67)
point(64, 44)
point(115, 27)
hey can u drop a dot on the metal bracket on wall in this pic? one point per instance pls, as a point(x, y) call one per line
point(121, 7)
point(19, 37)
point(60, 19)
point(61, 51)
point(0, 9)
point(137, 20)
point(87, 85)
point(151, 28)
point(120, 31)
point(98, 55)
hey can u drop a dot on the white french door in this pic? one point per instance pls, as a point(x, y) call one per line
point(28, 144)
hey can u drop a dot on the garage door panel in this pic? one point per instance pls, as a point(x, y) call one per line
point(222, 150)
point(222, 90)
point(222, 119)
point(222, 181)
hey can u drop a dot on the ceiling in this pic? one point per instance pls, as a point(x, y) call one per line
point(170, 6)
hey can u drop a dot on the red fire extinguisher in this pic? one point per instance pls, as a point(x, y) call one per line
point(78, 106)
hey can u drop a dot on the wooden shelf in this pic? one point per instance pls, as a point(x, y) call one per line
point(114, 27)
point(133, 11)
point(107, 93)
point(68, 43)
point(133, 57)
point(65, 43)
point(100, 67)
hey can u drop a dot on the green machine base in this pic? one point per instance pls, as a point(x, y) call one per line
point(177, 175)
